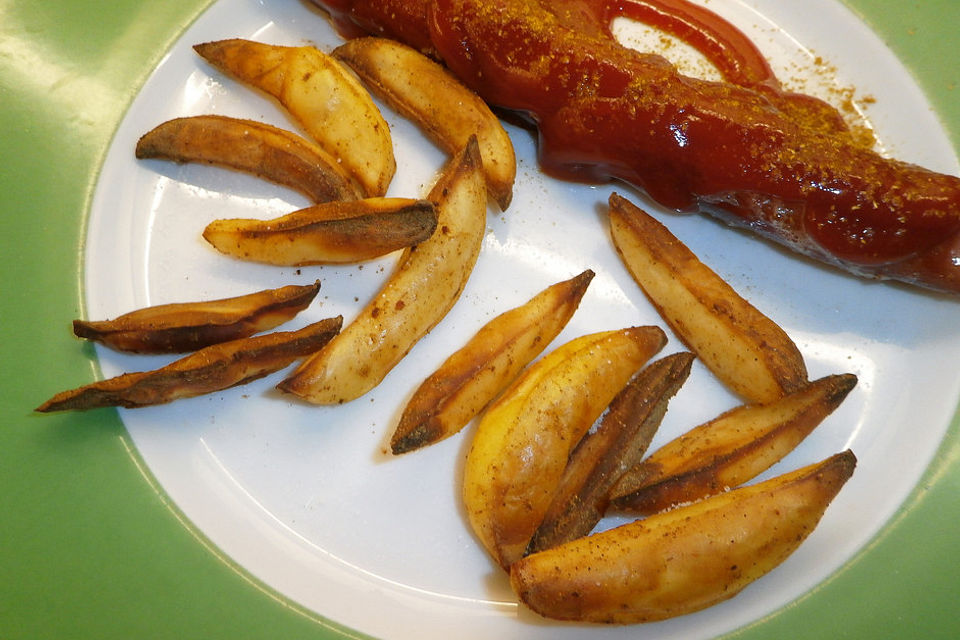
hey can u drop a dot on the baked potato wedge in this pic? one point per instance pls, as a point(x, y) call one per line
point(257, 148)
point(522, 442)
point(210, 369)
point(433, 98)
point(187, 326)
point(323, 96)
point(729, 450)
point(329, 233)
point(473, 376)
point(425, 285)
point(745, 349)
point(683, 560)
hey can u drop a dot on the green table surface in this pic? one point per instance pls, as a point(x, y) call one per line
point(90, 547)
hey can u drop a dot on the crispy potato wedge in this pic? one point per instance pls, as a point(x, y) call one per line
point(442, 106)
point(473, 376)
point(187, 326)
point(323, 96)
point(729, 450)
point(683, 560)
point(745, 349)
point(210, 369)
point(602, 456)
point(256, 148)
point(328, 233)
point(426, 284)
point(522, 442)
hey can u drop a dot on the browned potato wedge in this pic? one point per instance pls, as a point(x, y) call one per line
point(603, 455)
point(730, 450)
point(470, 378)
point(323, 96)
point(187, 326)
point(253, 147)
point(745, 349)
point(213, 368)
point(522, 443)
point(426, 284)
point(328, 233)
point(446, 110)
point(683, 560)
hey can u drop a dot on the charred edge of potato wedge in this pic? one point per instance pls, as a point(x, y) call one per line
point(425, 92)
point(476, 373)
point(618, 443)
point(683, 560)
point(745, 349)
point(182, 327)
point(256, 148)
point(329, 233)
point(729, 450)
point(213, 368)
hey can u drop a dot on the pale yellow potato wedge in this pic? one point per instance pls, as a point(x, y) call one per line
point(729, 450)
point(325, 99)
point(473, 376)
point(680, 561)
point(329, 233)
point(187, 326)
point(442, 106)
point(424, 287)
point(746, 350)
point(522, 442)
point(256, 148)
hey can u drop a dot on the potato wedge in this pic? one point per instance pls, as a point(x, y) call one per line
point(427, 282)
point(256, 148)
point(213, 368)
point(745, 349)
point(602, 456)
point(328, 233)
point(473, 376)
point(323, 96)
point(187, 326)
point(680, 561)
point(522, 442)
point(729, 450)
point(442, 106)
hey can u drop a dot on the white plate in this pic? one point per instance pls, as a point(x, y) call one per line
point(307, 500)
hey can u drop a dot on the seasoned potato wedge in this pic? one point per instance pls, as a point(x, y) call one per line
point(253, 147)
point(323, 96)
point(521, 445)
point(328, 233)
point(446, 110)
point(470, 378)
point(683, 560)
point(603, 455)
point(729, 450)
point(210, 369)
point(745, 349)
point(187, 326)
point(427, 282)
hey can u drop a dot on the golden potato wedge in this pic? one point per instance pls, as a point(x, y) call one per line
point(473, 376)
point(323, 96)
point(328, 233)
point(522, 442)
point(602, 456)
point(745, 349)
point(210, 369)
point(442, 106)
point(729, 450)
point(253, 147)
point(683, 560)
point(187, 326)
point(427, 282)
